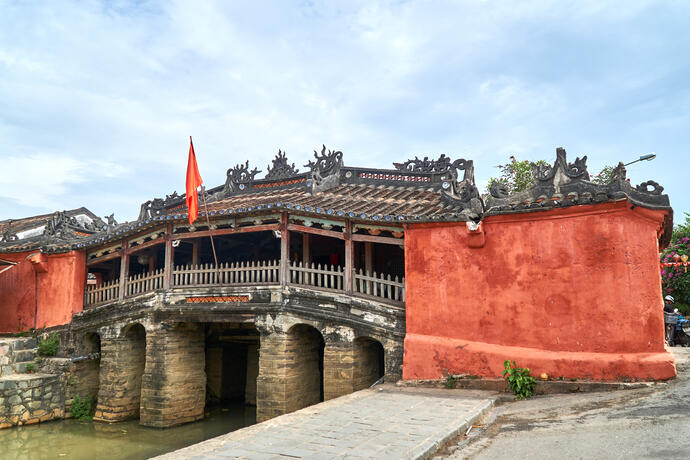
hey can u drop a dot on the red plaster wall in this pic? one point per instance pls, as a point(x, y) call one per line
point(60, 290)
point(572, 292)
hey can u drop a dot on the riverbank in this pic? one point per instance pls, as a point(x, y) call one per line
point(86, 440)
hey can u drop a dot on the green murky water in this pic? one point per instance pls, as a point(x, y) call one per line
point(74, 439)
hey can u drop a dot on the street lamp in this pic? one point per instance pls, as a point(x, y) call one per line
point(647, 157)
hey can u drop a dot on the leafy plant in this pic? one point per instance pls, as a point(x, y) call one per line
point(451, 382)
point(30, 368)
point(82, 409)
point(49, 345)
point(519, 379)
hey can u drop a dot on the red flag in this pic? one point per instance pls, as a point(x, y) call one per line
point(193, 182)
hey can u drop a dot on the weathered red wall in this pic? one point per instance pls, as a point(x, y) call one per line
point(572, 292)
point(60, 290)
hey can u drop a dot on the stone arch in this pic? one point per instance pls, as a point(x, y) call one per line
point(87, 369)
point(134, 362)
point(122, 367)
point(369, 362)
point(91, 343)
point(304, 379)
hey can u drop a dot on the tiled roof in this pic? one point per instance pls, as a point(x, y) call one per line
point(58, 231)
point(418, 190)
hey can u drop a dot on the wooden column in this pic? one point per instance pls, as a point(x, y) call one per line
point(152, 262)
point(349, 256)
point(284, 249)
point(368, 258)
point(306, 251)
point(124, 270)
point(168, 263)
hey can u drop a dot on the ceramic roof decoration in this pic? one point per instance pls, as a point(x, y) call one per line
point(417, 190)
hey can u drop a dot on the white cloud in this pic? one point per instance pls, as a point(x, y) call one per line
point(40, 178)
point(110, 91)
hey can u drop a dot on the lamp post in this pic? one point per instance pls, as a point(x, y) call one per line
point(646, 157)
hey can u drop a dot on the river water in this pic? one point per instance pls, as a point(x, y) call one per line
point(82, 440)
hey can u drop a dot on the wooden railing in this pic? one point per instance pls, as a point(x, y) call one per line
point(145, 282)
point(101, 293)
point(326, 277)
point(379, 285)
point(229, 274)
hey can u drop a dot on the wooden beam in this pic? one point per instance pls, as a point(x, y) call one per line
point(349, 256)
point(124, 271)
point(379, 239)
point(105, 258)
point(227, 231)
point(168, 263)
point(144, 245)
point(315, 231)
point(284, 249)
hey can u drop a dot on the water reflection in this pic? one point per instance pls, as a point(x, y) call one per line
point(74, 439)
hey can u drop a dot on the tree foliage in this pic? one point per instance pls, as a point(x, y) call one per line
point(515, 175)
point(518, 176)
point(604, 176)
point(675, 280)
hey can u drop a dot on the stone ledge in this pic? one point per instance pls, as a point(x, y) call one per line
point(543, 387)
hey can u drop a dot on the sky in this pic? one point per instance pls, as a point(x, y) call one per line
point(98, 99)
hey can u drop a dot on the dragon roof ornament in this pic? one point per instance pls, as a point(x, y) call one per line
point(565, 184)
point(561, 172)
point(157, 206)
point(238, 178)
point(425, 165)
point(325, 169)
point(281, 168)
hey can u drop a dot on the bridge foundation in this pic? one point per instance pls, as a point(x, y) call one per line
point(174, 383)
point(123, 357)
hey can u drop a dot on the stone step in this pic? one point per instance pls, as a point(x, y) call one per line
point(24, 355)
point(24, 343)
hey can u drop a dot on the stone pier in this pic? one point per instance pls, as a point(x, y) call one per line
point(123, 357)
point(174, 383)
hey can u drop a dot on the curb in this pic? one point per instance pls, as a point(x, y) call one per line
point(426, 452)
point(542, 388)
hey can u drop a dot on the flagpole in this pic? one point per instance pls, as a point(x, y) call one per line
point(210, 233)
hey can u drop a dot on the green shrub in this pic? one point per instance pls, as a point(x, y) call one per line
point(49, 346)
point(30, 368)
point(451, 382)
point(82, 408)
point(519, 379)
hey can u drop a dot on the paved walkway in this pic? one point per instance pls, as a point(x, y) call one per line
point(383, 423)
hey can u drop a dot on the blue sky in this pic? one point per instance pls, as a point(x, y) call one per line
point(97, 99)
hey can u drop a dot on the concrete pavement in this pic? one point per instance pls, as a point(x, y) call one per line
point(382, 423)
point(642, 423)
